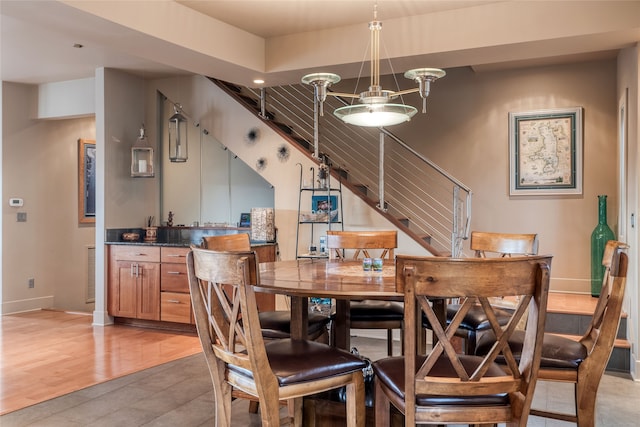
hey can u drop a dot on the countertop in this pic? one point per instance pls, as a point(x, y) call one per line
point(174, 236)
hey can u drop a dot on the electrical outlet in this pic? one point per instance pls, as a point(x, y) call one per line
point(32, 282)
point(22, 217)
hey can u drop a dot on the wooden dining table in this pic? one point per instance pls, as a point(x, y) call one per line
point(323, 278)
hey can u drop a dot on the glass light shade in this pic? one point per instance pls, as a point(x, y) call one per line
point(178, 144)
point(142, 157)
point(375, 115)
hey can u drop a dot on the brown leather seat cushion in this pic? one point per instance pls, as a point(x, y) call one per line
point(376, 310)
point(391, 372)
point(296, 361)
point(475, 319)
point(277, 324)
point(557, 352)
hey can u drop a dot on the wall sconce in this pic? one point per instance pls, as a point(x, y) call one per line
point(178, 143)
point(142, 156)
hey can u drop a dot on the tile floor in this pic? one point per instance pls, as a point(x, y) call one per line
point(179, 394)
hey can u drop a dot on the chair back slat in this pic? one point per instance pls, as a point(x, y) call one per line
point(227, 242)
point(503, 244)
point(444, 371)
point(603, 328)
point(361, 242)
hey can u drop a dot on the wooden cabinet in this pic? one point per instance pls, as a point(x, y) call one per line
point(151, 282)
point(175, 301)
point(134, 282)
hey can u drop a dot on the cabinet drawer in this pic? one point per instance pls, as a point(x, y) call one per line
point(173, 277)
point(174, 255)
point(136, 253)
point(175, 307)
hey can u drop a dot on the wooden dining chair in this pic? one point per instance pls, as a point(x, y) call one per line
point(274, 323)
point(369, 314)
point(582, 362)
point(445, 387)
point(238, 357)
point(487, 245)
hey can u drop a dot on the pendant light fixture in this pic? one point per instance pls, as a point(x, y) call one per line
point(142, 156)
point(376, 108)
point(178, 140)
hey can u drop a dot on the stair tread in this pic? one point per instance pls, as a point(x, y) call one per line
point(619, 343)
point(571, 303)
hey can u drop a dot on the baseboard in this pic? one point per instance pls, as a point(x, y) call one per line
point(31, 304)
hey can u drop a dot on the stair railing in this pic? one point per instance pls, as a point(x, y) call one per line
point(420, 194)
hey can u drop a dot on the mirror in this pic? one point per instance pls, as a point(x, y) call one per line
point(213, 187)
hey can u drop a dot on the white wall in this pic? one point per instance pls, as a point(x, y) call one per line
point(629, 81)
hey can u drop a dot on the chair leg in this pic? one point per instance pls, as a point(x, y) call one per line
point(389, 342)
point(253, 406)
point(382, 407)
point(585, 405)
point(355, 401)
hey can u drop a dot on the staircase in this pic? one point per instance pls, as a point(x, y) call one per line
point(414, 194)
point(569, 315)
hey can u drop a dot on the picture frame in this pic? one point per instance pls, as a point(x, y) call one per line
point(86, 181)
point(545, 152)
point(245, 220)
point(325, 205)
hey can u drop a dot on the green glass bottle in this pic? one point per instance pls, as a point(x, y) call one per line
point(599, 238)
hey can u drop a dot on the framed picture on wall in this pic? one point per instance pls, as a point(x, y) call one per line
point(545, 152)
point(327, 205)
point(86, 181)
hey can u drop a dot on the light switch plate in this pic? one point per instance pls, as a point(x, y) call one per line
point(14, 201)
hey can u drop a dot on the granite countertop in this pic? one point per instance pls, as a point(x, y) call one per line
point(174, 236)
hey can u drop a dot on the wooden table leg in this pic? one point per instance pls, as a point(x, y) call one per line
point(342, 328)
point(299, 317)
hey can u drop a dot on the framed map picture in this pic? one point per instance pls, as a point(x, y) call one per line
point(545, 152)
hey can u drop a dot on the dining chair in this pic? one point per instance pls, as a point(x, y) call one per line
point(445, 387)
point(368, 314)
point(582, 362)
point(488, 244)
point(274, 323)
point(238, 357)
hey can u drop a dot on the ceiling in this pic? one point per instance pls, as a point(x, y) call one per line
point(38, 37)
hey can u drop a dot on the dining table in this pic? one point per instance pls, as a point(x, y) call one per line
point(341, 281)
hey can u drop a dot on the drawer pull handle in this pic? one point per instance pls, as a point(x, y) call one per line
point(174, 272)
point(173, 301)
point(175, 256)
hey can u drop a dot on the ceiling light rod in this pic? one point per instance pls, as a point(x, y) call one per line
point(376, 109)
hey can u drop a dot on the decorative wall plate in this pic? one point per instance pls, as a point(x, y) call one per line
point(252, 136)
point(283, 153)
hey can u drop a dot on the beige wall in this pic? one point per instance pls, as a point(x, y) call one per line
point(466, 133)
point(40, 161)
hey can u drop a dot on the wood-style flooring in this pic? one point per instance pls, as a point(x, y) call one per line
point(45, 354)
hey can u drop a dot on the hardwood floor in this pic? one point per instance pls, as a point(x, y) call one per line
point(45, 354)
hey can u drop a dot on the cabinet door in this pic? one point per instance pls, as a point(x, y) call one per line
point(148, 291)
point(123, 290)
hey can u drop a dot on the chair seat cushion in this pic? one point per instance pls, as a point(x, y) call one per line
point(277, 324)
point(376, 310)
point(475, 319)
point(557, 352)
point(296, 361)
point(390, 371)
